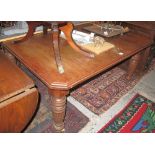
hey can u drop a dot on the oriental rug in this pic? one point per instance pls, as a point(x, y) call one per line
point(42, 121)
point(99, 94)
point(138, 116)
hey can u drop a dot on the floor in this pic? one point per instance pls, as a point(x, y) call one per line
point(145, 87)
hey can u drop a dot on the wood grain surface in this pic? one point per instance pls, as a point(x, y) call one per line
point(37, 54)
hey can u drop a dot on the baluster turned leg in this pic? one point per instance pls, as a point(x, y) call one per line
point(58, 104)
point(134, 61)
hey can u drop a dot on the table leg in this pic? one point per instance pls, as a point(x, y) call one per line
point(31, 30)
point(145, 58)
point(55, 39)
point(134, 61)
point(45, 29)
point(58, 104)
point(67, 30)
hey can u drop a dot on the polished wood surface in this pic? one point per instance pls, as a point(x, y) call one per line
point(37, 55)
point(18, 97)
point(16, 112)
point(56, 27)
point(12, 80)
point(147, 27)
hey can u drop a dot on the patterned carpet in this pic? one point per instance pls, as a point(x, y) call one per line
point(101, 93)
point(42, 121)
point(98, 95)
point(138, 116)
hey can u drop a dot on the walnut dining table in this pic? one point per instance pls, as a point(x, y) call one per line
point(37, 55)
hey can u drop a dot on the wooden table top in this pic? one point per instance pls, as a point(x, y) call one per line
point(12, 80)
point(37, 54)
point(149, 25)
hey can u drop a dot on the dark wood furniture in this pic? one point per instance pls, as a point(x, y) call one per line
point(37, 55)
point(145, 28)
point(18, 97)
point(56, 27)
point(148, 29)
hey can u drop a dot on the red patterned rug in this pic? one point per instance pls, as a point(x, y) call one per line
point(42, 121)
point(138, 116)
point(101, 93)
